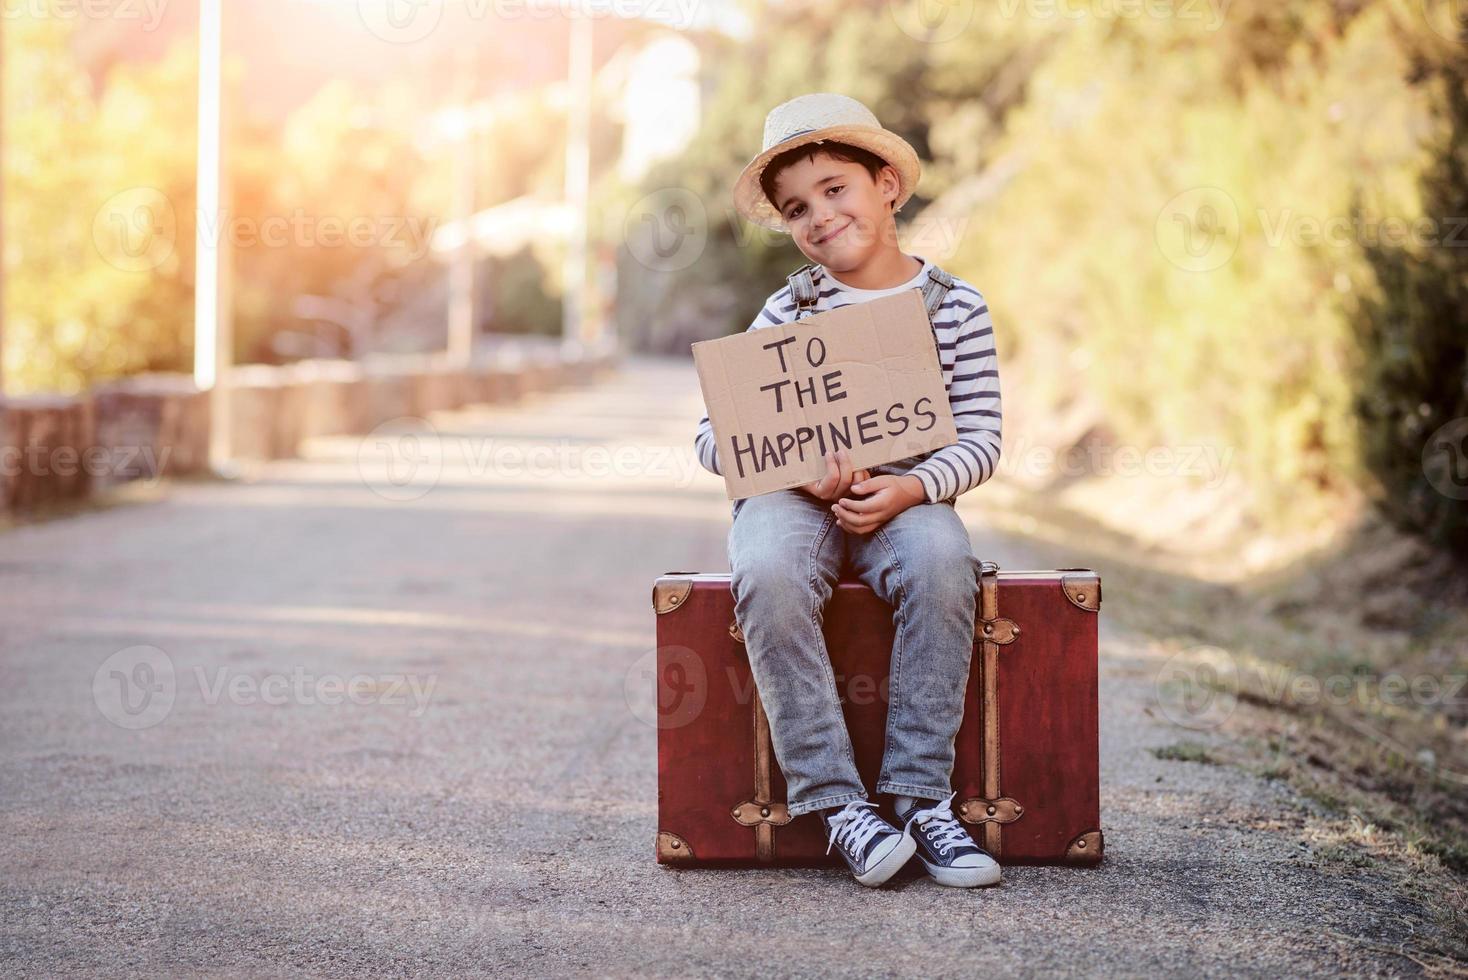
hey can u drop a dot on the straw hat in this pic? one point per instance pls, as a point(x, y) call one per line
point(815, 119)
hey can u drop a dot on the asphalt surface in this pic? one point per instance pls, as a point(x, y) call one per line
point(346, 718)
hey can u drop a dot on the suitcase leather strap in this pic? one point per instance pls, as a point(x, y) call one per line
point(992, 810)
point(760, 812)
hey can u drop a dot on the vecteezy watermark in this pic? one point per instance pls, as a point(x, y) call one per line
point(670, 687)
point(666, 687)
point(1208, 13)
point(933, 235)
point(138, 687)
point(1199, 230)
point(150, 12)
point(137, 463)
point(667, 230)
point(301, 687)
point(562, 458)
point(1445, 459)
point(135, 688)
point(931, 21)
point(137, 230)
point(401, 459)
point(1342, 231)
point(1205, 462)
point(1199, 687)
point(410, 21)
point(1448, 18)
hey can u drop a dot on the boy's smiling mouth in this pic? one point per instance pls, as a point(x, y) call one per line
point(825, 239)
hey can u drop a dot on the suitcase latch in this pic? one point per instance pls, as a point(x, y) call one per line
point(976, 809)
point(998, 630)
point(752, 813)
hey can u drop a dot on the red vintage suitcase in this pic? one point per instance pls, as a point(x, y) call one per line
point(1026, 767)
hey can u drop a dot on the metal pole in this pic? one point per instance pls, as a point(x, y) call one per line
point(461, 271)
point(575, 322)
point(2, 211)
point(213, 328)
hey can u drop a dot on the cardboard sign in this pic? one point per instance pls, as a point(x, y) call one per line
point(864, 378)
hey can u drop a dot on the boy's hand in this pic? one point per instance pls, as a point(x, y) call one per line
point(838, 478)
point(886, 497)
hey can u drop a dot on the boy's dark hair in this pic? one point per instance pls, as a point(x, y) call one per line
point(844, 152)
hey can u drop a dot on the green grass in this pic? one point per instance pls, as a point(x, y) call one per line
point(1186, 752)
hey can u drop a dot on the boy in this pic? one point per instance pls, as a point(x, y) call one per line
point(833, 178)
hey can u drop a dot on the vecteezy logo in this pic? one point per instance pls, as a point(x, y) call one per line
point(1198, 688)
point(667, 230)
point(1445, 459)
point(400, 21)
point(1198, 230)
point(135, 688)
point(666, 687)
point(401, 459)
point(1447, 17)
point(136, 230)
point(932, 21)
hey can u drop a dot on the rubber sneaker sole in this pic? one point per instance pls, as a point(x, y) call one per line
point(891, 862)
point(961, 877)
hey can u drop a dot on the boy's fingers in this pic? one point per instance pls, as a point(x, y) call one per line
point(867, 506)
point(853, 517)
point(832, 477)
point(844, 459)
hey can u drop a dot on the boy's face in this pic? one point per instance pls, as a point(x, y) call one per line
point(838, 216)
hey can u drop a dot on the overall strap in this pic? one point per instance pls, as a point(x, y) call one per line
point(937, 286)
point(803, 289)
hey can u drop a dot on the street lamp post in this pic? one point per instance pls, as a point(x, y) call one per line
point(213, 325)
point(2, 212)
point(462, 314)
point(576, 317)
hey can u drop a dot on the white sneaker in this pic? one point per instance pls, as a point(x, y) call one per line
point(873, 848)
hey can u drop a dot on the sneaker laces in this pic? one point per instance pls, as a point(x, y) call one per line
point(855, 825)
point(947, 833)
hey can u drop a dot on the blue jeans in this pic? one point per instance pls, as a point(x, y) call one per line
point(786, 553)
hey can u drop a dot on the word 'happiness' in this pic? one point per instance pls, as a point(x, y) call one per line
point(775, 451)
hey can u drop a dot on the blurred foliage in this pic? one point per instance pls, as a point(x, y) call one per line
point(1414, 337)
point(73, 316)
point(519, 295)
point(1077, 155)
point(337, 205)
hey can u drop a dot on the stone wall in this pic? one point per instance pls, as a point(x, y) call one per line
point(55, 448)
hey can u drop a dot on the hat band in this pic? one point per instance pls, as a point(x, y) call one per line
point(790, 136)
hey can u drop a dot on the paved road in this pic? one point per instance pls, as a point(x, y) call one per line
point(396, 741)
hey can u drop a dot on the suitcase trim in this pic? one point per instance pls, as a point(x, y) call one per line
point(673, 849)
point(1087, 848)
point(669, 592)
point(1083, 589)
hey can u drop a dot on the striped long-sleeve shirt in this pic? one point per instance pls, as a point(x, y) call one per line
point(970, 364)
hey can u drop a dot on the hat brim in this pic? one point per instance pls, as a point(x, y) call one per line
point(749, 197)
